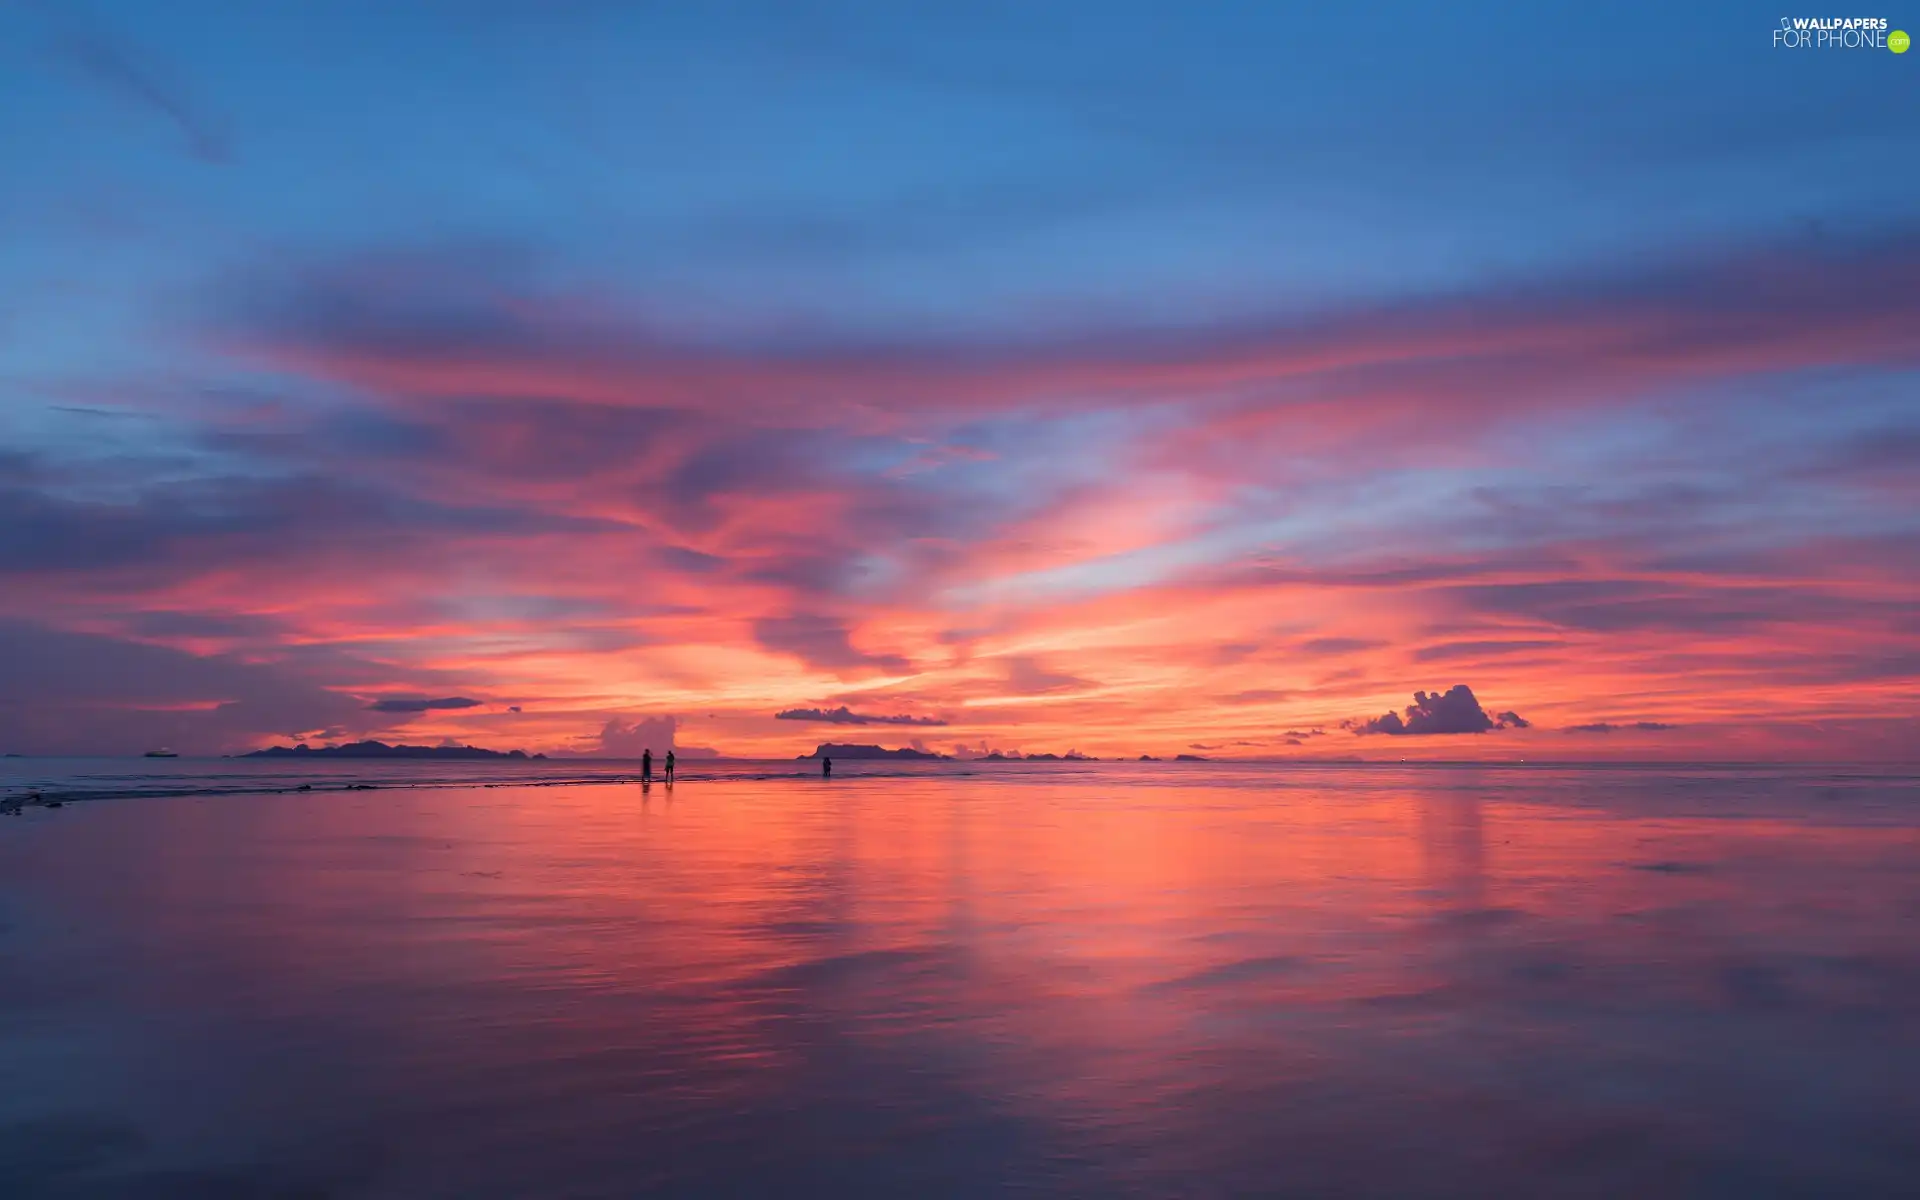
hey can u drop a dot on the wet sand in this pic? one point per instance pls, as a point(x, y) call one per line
point(1440, 982)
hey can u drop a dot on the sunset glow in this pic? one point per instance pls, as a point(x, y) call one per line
point(583, 405)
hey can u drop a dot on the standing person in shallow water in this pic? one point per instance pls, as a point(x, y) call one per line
point(826, 768)
point(646, 765)
point(669, 766)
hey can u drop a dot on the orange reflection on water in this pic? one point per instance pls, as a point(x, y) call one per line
point(1413, 981)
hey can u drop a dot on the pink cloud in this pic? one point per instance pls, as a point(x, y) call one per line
point(528, 498)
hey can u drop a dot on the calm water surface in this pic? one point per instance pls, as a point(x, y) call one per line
point(1113, 980)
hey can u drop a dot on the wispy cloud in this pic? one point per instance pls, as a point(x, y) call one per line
point(115, 66)
point(845, 716)
point(404, 323)
point(400, 704)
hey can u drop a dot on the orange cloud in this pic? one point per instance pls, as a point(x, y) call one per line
point(1145, 541)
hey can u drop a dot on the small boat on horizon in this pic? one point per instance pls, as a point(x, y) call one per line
point(162, 752)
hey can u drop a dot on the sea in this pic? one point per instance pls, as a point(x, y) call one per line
point(380, 979)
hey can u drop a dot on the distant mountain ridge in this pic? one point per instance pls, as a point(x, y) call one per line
point(850, 752)
point(383, 750)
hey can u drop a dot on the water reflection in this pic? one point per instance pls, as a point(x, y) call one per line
point(1441, 982)
point(1453, 843)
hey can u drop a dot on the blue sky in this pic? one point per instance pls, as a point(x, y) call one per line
point(751, 168)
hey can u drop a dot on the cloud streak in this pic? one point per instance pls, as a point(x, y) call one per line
point(114, 66)
point(845, 716)
point(398, 704)
point(475, 327)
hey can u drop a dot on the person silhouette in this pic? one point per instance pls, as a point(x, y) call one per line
point(669, 766)
point(646, 765)
point(826, 768)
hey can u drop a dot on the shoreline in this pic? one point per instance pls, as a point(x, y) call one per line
point(56, 793)
point(42, 798)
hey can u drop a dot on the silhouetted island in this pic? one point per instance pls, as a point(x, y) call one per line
point(382, 750)
point(1148, 758)
point(836, 750)
point(1189, 758)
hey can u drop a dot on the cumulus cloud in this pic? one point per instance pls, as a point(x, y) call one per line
point(1609, 727)
point(631, 738)
point(1455, 711)
point(846, 716)
point(416, 704)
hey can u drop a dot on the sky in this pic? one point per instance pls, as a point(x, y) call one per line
point(1251, 381)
